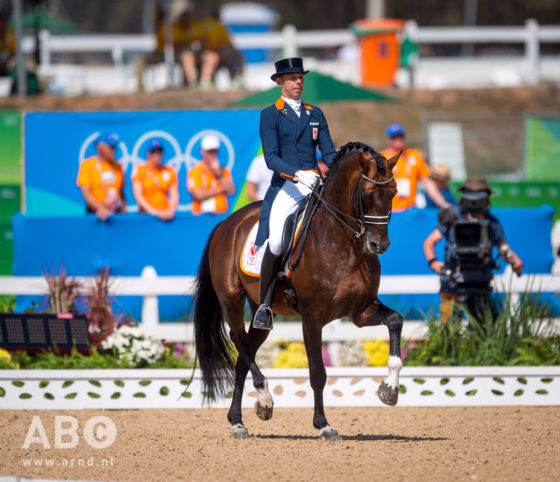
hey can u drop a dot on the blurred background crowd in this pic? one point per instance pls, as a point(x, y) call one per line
point(466, 87)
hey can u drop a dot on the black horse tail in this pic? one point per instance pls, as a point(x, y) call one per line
point(212, 342)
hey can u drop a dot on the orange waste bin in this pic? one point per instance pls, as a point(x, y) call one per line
point(380, 49)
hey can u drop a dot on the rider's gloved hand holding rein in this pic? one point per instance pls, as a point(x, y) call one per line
point(307, 178)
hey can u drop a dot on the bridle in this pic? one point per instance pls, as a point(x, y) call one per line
point(361, 220)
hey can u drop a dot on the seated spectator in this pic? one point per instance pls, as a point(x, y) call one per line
point(440, 175)
point(209, 182)
point(411, 169)
point(211, 50)
point(155, 186)
point(258, 179)
point(186, 36)
point(101, 179)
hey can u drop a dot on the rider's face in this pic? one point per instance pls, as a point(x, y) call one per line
point(291, 85)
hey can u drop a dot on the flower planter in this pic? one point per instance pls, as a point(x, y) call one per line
point(349, 386)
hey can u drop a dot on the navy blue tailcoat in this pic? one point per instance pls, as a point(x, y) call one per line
point(289, 144)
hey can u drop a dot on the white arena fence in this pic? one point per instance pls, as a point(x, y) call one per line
point(430, 72)
point(349, 386)
point(149, 285)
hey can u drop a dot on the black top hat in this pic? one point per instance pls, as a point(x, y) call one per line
point(292, 65)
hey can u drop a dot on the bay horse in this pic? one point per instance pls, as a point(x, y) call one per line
point(338, 275)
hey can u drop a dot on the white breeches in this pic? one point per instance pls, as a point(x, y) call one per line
point(285, 203)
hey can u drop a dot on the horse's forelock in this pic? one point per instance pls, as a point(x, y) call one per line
point(354, 146)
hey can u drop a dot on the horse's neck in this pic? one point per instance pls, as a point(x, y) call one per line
point(326, 229)
point(338, 190)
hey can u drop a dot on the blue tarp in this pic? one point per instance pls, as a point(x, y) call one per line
point(56, 143)
point(128, 242)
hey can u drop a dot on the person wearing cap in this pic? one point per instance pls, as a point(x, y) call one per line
point(154, 185)
point(101, 179)
point(290, 131)
point(477, 186)
point(209, 182)
point(440, 175)
point(411, 169)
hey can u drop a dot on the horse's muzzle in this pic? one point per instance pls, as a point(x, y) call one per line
point(377, 247)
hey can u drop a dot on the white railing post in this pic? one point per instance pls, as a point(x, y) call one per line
point(45, 55)
point(150, 308)
point(289, 40)
point(532, 51)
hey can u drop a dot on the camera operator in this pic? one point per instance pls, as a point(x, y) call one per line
point(471, 235)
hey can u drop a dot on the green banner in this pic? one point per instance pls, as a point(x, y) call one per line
point(522, 194)
point(543, 148)
point(11, 152)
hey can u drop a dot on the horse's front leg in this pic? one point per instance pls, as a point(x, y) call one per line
point(377, 313)
point(312, 337)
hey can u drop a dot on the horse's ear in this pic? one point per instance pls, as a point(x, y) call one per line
point(393, 161)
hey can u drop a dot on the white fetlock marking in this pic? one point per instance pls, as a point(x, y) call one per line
point(238, 427)
point(327, 428)
point(395, 365)
point(264, 397)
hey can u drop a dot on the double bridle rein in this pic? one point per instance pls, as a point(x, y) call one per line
point(361, 220)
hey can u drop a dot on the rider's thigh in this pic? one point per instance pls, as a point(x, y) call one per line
point(285, 203)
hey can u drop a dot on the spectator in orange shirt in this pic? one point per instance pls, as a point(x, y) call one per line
point(411, 168)
point(155, 186)
point(209, 182)
point(101, 179)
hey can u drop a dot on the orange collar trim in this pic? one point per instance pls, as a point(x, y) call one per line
point(279, 104)
point(307, 106)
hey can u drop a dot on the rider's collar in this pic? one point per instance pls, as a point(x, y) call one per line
point(294, 104)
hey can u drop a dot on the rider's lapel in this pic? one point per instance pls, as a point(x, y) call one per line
point(304, 118)
point(286, 111)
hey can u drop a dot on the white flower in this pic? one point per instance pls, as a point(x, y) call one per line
point(135, 345)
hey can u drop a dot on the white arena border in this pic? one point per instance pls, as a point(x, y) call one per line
point(348, 386)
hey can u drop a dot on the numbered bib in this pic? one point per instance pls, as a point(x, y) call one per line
point(208, 205)
point(403, 187)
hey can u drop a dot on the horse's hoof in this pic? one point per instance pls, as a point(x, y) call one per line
point(388, 395)
point(239, 431)
point(329, 434)
point(263, 412)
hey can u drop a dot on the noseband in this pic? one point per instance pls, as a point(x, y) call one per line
point(361, 219)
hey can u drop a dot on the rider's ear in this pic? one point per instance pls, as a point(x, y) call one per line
point(393, 161)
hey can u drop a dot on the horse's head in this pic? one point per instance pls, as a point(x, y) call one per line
point(364, 189)
point(373, 198)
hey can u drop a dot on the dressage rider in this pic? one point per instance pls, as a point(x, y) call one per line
point(290, 131)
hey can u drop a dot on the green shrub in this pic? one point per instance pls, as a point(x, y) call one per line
point(520, 335)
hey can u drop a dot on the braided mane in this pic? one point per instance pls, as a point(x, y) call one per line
point(358, 146)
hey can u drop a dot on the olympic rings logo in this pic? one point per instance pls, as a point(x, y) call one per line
point(179, 157)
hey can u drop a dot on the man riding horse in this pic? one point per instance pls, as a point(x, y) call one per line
point(290, 131)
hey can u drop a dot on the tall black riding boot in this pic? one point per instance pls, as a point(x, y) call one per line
point(269, 269)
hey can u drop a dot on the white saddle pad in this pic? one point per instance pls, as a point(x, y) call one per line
point(251, 258)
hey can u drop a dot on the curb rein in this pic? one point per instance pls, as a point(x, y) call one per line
point(361, 220)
